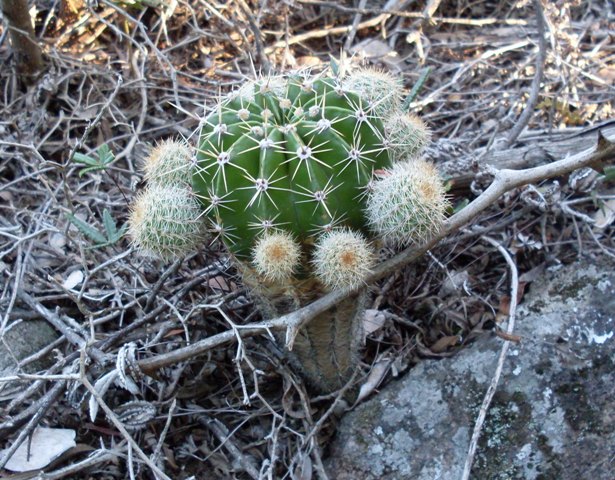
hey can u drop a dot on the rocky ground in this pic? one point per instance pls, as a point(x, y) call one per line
point(552, 415)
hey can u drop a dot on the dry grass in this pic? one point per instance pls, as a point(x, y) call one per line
point(129, 75)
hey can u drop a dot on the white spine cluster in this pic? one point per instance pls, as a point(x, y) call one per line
point(169, 162)
point(408, 203)
point(262, 84)
point(276, 255)
point(164, 221)
point(380, 89)
point(342, 259)
point(407, 136)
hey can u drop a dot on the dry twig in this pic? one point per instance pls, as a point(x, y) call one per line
point(514, 287)
point(535, 88)
point(505, 180)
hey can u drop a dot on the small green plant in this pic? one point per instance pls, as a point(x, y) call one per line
point(302, 176)
point(111, 234)
point(104, 158)
point(416, 88)
point(609, 174)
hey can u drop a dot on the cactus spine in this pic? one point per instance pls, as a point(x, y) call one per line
point(166, 220)
point(294, 174)
point(297, 156)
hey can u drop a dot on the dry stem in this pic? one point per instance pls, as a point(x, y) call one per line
point(504, 181)
point(514, 287)
point(27, 51)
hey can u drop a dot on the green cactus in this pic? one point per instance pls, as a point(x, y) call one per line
point(301, 176)
point(295, 156)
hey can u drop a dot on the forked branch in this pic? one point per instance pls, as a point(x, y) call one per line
point(504, 180)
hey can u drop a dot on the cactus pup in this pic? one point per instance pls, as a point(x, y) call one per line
point(302, 176)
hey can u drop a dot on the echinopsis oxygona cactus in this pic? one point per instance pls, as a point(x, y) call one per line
point(300, 176)
point(293, 155)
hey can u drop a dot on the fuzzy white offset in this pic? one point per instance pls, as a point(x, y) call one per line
point(165, 221)
point(381, 90)
point(276, 256)
point(342, 259)
point(407, 204)
point(169, 162)
point(407, 135)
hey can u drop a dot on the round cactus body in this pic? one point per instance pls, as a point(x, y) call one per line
point(295, 157)
point(169, 163)
point(407, 204)
point(276, 256)
point(165, 221)
point(342, 259)
point(380, 89)
point(407, 135)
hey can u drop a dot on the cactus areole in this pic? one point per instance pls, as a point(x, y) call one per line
point(294, 153)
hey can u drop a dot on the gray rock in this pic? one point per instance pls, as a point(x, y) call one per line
point(22, 339)
point(553, 415)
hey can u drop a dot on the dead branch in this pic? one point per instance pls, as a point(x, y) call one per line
point(224, 437)
point(335, 30)
point(504, 181)
point(58, 323)
point(514, 287)
point(525, 116)
point(117, 423)
point(27, 51)
point(538, 149)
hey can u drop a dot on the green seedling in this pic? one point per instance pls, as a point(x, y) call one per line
point(111, 234)
point(104, 158)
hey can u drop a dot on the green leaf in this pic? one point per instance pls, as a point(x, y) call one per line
point(609, 174)
point(113, 234)
point(109, 224)
point(105, 157)
point(335, 66)
point(417, 88)
point(87, 229)
point(83, 171)
point(461, 205)
point(121, 232)
point(85, 159)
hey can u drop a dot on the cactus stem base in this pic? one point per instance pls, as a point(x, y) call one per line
point(326, 350)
